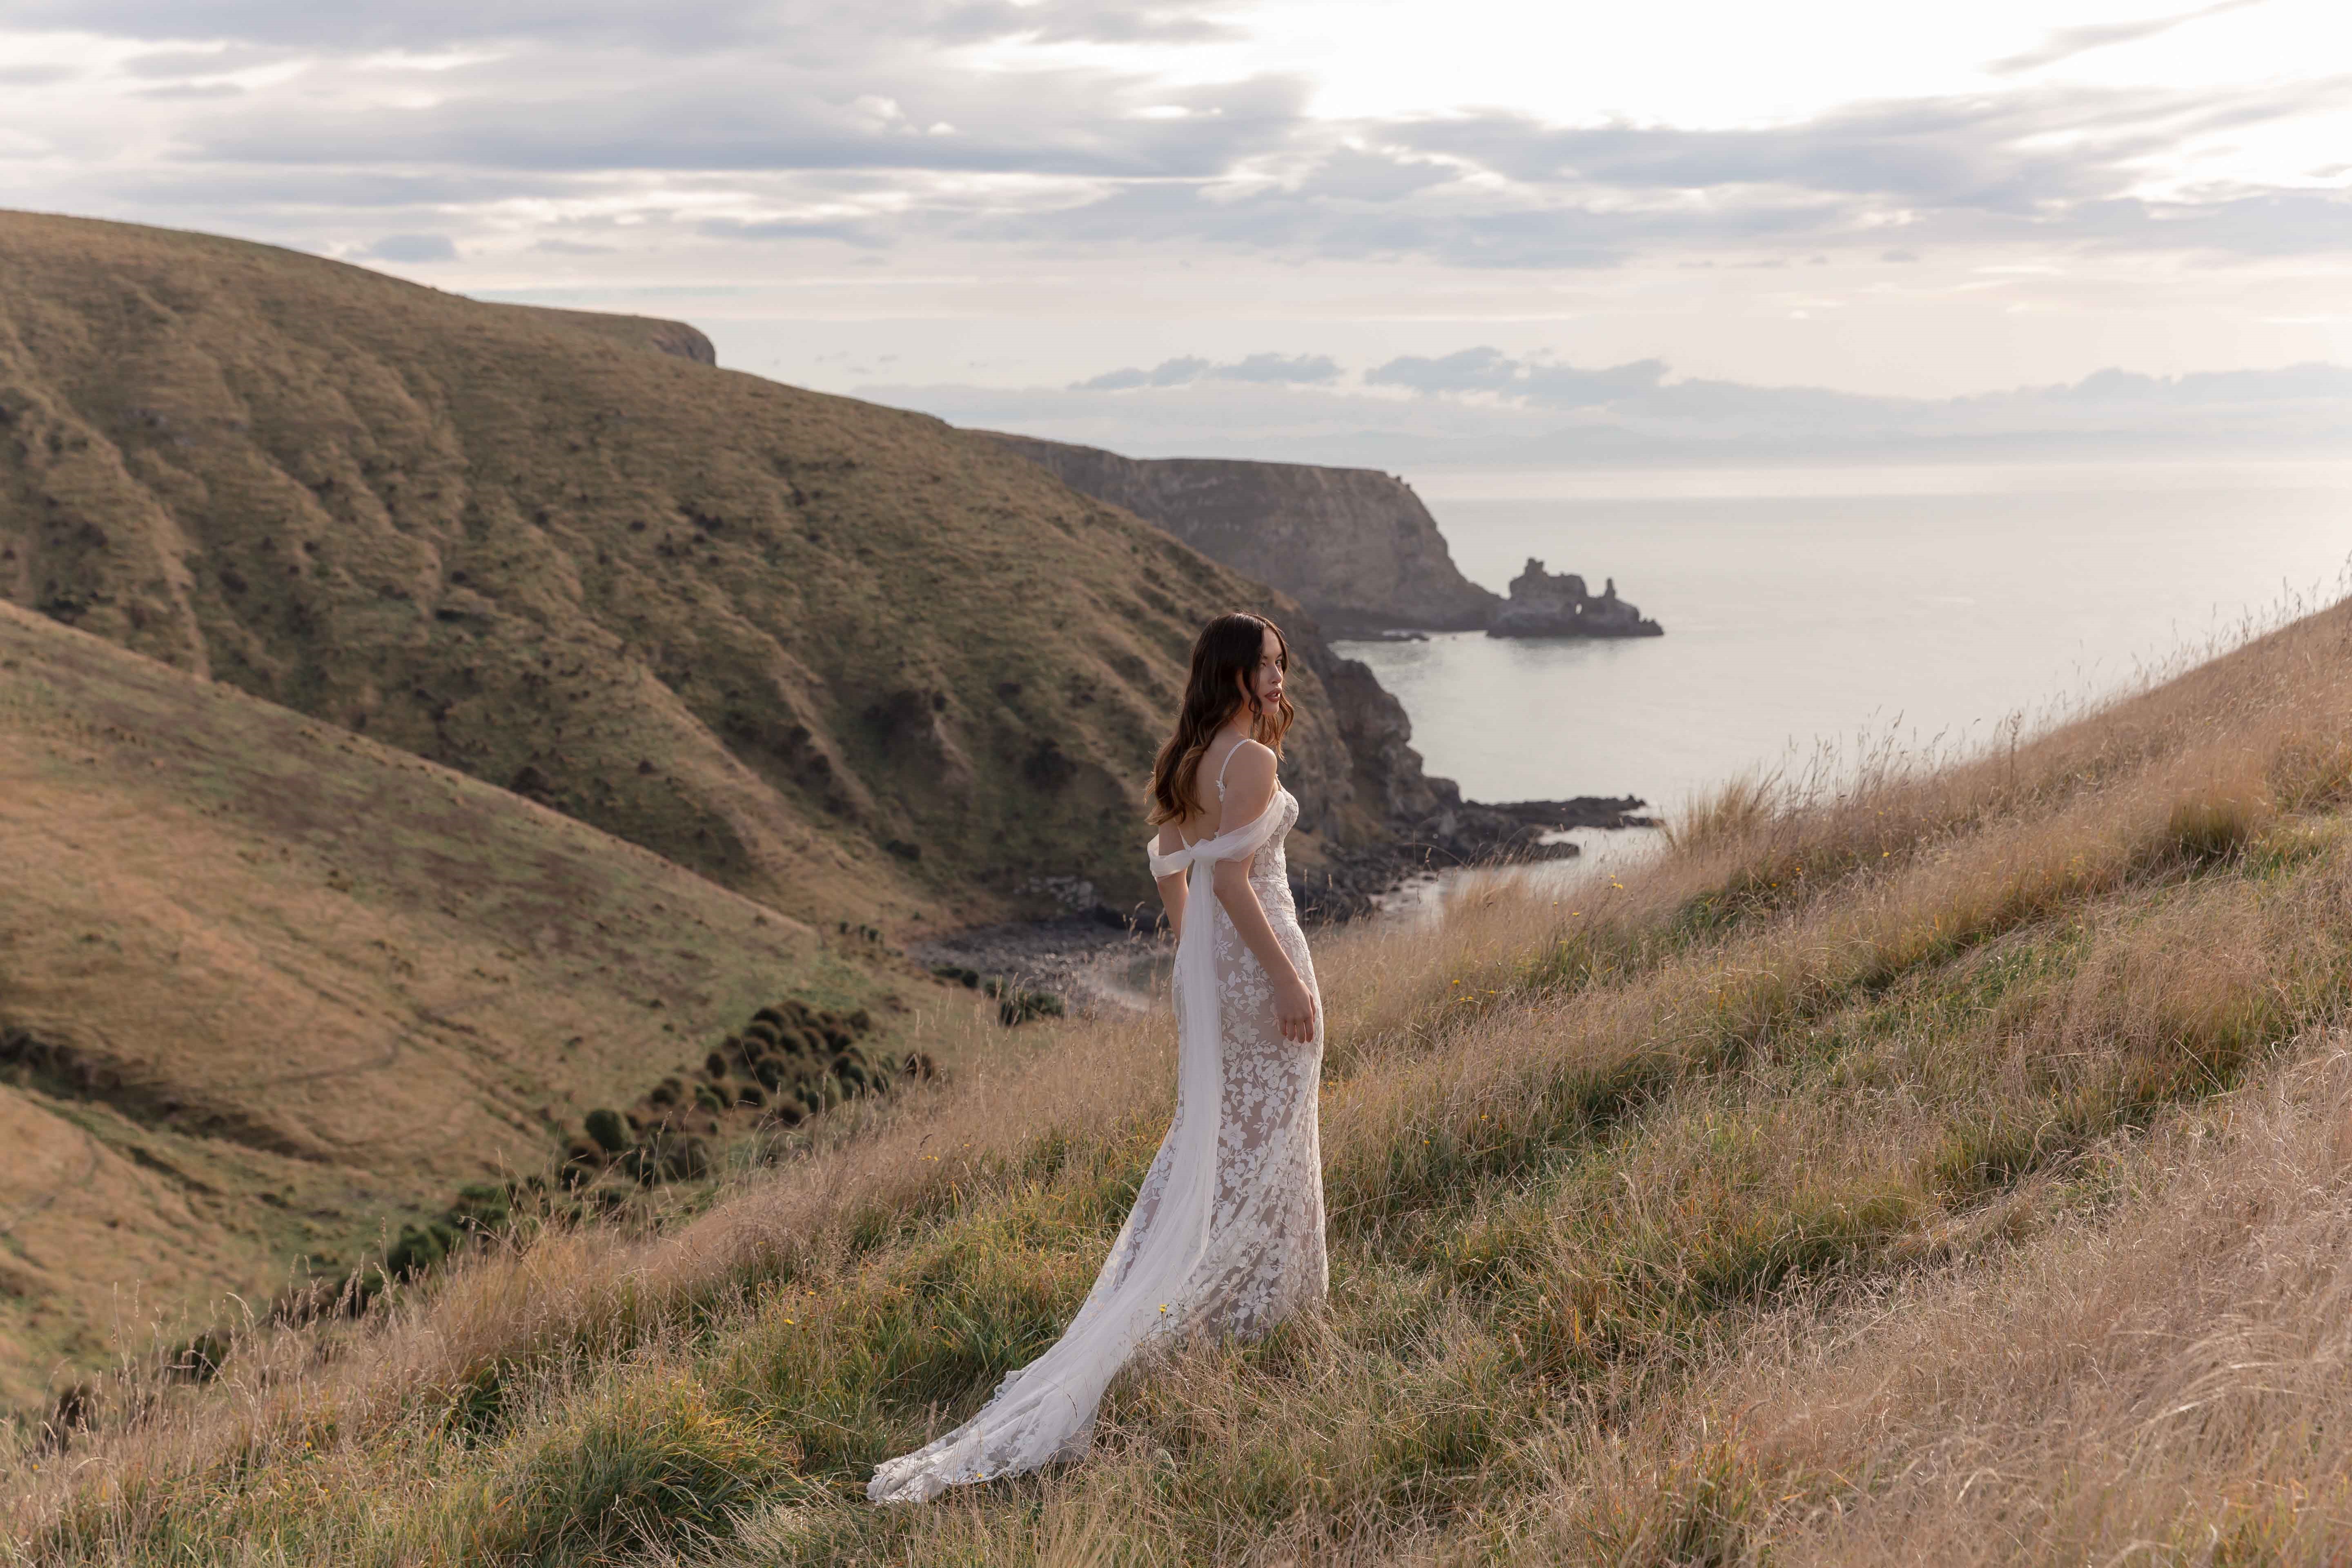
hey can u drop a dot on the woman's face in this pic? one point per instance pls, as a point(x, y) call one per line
point(1265, 681)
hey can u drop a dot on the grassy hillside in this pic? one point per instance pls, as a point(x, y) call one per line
point(1954, 1170)
point(839, 658)
point(267, 988)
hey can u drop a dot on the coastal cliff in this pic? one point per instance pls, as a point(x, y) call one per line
point(1354, 545)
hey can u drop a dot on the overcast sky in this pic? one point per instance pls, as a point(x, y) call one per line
point(1213, 226)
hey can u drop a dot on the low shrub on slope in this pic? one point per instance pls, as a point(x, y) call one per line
point(1952, 1170)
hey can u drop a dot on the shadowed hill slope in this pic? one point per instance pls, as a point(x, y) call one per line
point(1354, 545)
point(266, 986)
point(842, 658)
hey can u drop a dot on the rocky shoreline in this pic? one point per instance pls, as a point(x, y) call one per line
point(1102, 956)
point(1460, 833)
point(1086, 960)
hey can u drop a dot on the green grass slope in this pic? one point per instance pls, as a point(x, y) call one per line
point(268, 987)
point(1955, 1170)
point(840, 657)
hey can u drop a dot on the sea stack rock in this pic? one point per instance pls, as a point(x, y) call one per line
point(1543, 606)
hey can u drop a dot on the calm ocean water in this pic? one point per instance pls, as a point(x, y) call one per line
point(1843, 609)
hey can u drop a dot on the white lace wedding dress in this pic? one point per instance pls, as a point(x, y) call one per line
point(1227, 1234)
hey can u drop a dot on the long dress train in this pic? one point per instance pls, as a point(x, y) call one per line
point(1227, 1234)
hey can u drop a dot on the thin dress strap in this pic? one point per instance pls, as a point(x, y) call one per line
point(1226, 764)
point(1221, 792)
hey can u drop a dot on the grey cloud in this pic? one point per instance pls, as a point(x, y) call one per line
point(324, 189)
point(1299, 370)
point(199, 62)
point(412, 247)
point(35, 76)
point(1571, 239)
point(2315, 381)
point(1216, 417)
point(771, 104)
point(1988, 151)
point(1537, 382)
point(1721, 407)
point(194, 90)
point(815, 27)
point(1167, 372)
point(2297, 408)
point(1264, 369)
point(2281, 222)
point(1965, 171)
point(573, 248)
point(647, 292)
point(1962, 172)
point(1351, 174)
point(1083, 21)
point(1167, 211)
point(1058, 122)
point(860, 234)
point(418, 24)
point(1114, 380)
point(1470, 370)
point(1565, 386)
point(2065, 43)
point(1951, 152)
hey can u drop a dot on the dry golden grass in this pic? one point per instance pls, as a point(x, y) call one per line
point(2171, 1376)
point(1945, 1170)
point(292, 987)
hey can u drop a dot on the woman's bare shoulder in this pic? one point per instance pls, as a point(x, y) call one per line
point(1249, 785)
point(1252, 759)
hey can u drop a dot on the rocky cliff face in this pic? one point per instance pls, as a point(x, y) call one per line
point(1385, 771)
point(1353, 545)
point(1544, 605)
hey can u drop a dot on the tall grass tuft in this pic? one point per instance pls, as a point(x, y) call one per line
point(640, 1464)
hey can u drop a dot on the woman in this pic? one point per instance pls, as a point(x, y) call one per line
point(1227, 1234)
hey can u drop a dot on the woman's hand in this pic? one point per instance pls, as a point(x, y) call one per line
point(1294, 1008)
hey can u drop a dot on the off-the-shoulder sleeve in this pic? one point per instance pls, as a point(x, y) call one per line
point(1165, 864)
point(1239, 844)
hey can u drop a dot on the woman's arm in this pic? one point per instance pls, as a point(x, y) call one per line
point(1249, 790)
point(1172, 888)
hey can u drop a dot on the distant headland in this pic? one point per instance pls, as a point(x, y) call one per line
point(1355, 546)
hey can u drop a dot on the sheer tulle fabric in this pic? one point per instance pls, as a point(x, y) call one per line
point(1227, 1234)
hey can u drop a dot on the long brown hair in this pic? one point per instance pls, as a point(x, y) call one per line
point(1224, 681)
